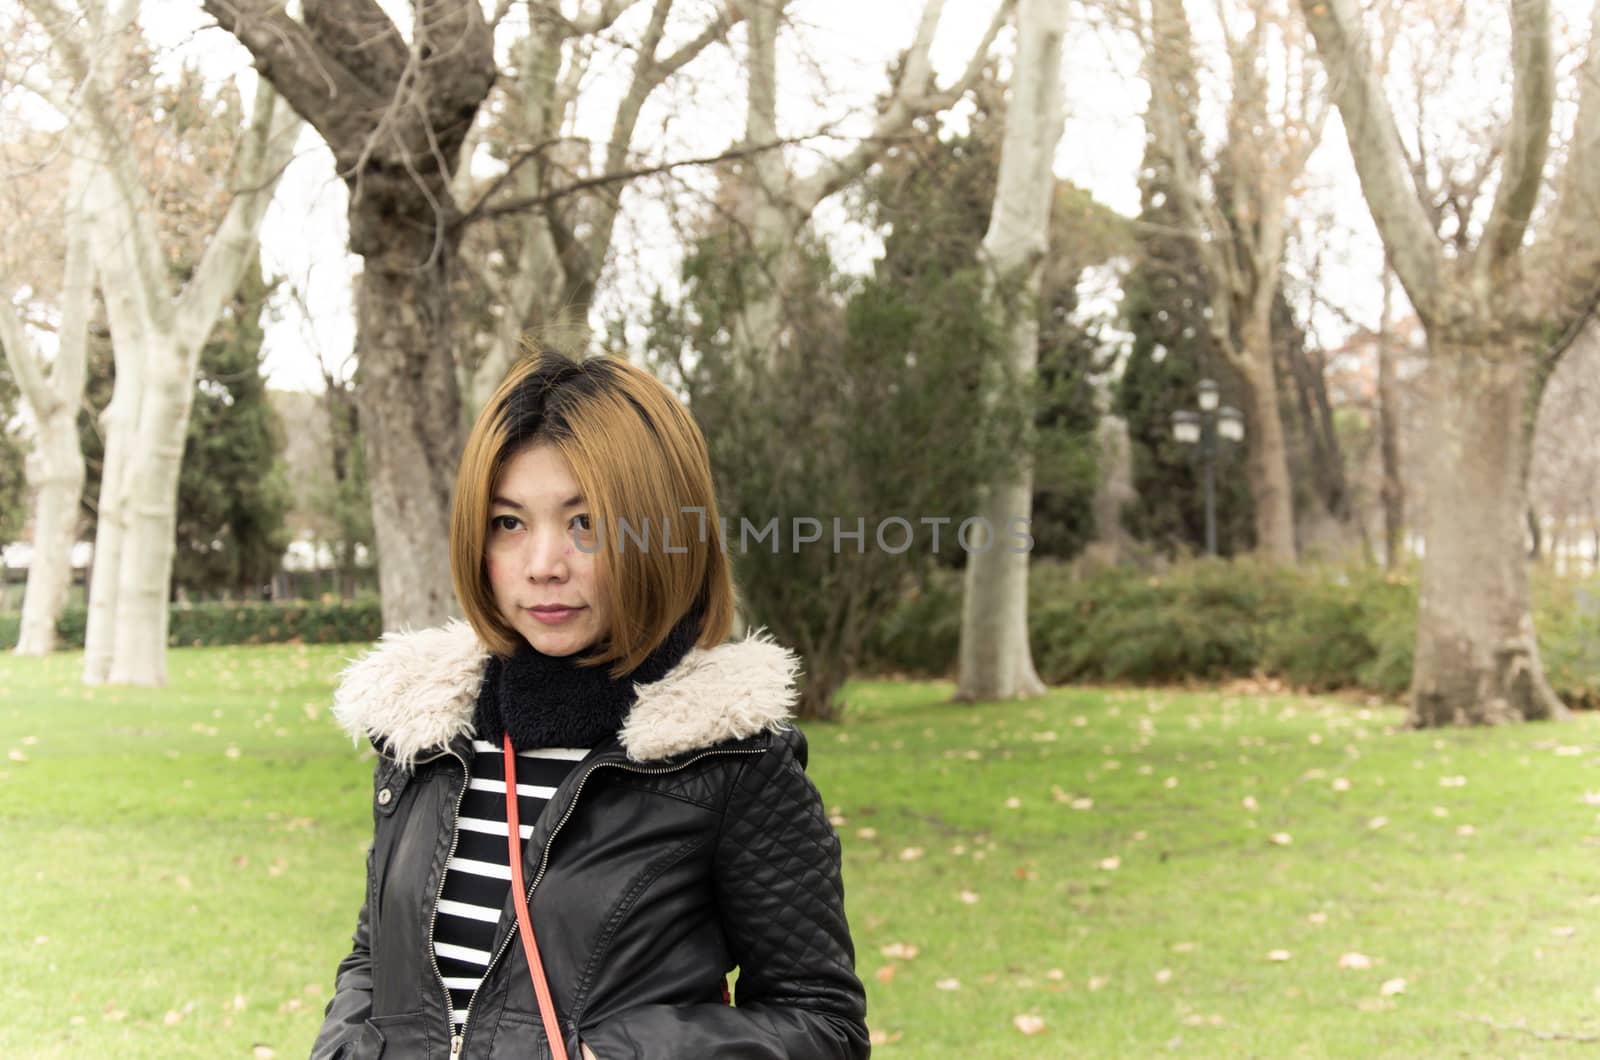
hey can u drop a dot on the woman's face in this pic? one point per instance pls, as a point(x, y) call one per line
point(547, 588)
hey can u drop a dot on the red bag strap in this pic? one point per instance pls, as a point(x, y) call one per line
point(547, 1005)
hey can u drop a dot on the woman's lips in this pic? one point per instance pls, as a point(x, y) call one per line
point(552, 616)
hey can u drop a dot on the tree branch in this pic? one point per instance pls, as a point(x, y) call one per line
point(527, 202)
point(908, 103)
point(24, 362)
point(1570, 245)
point(337, 103)
point(1527, 139)
point(1375, 146)
point(268, 146)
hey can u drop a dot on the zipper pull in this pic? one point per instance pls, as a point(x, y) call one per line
point(456, 1041)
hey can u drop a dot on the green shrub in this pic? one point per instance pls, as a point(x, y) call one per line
point(1316, 627)
point(212, 624)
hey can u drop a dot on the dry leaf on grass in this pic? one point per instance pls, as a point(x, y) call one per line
point(899, 951)
point(1355, 960)
point(1029, 1025)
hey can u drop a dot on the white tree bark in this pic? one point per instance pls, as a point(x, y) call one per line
point(57, 470)
point(148, 498)
point(995, 659)
point(156, 333)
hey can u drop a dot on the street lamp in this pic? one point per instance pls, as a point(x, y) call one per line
point(1203, 429)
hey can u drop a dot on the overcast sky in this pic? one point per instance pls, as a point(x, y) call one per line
point(833, 68)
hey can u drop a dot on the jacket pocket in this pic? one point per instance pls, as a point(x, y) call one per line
point(403, 1037)
point(520, 1037)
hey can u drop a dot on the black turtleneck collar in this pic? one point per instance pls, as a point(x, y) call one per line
point(551, 701)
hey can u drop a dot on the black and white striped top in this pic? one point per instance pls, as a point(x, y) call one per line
point(478, 879)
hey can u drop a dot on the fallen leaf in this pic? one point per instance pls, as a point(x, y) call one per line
point(1355, 960)
point(1278, 955)
point(1341, 784)
point(1281, 839)
point(886, 973)
point(1318, 917)
point(16, 756)
point(1377, 822)
point(969, 897)
point(1110, 864)
point(866, 833)
point(1055, 974)
point(1097, 982)
point(947, 984)
point(1013, 803)
point(1084, 803)
point(1564, 932)
point(1164, 976)
point(1251, 804)
point(899, 951)
point(1170, 782)
point(884, 1037)
point(263, 1052)
point(1466, 830)
point(1029, 1025)
point(1452, 782)
point(1392, 987)
point(172, 1018)
point(911, 853)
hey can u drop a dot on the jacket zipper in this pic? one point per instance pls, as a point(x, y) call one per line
point(458, 1041)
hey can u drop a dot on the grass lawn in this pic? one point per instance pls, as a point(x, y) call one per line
point(1122, 873)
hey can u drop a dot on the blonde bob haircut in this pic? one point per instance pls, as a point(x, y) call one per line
point(639, 457)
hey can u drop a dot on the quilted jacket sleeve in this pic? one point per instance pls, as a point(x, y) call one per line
point(782, 906)
point(352, 993)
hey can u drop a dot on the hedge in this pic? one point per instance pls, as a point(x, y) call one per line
point(211, 624)
point(1316, 628)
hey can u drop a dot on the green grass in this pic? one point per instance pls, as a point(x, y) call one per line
point(182, 868)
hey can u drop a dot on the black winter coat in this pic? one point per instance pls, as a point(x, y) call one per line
point(690, 844)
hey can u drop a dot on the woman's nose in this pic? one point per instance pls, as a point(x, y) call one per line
point(545, 556)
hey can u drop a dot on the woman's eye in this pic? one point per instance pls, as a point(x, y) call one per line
point(582, 522)
point(504, 522)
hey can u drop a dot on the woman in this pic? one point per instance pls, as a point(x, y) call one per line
point(668, 831)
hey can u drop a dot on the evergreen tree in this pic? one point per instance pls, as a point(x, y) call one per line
point(13, 456)
point(1164, 304)
point(232, 491)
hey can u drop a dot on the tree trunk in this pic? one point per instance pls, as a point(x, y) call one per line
point(55, 529)
point(1477, 659)
point(58, 481)
point(144, 581)
point(995, 659)
point(1392, 492)
point(410, 412)
point(119, 422)
point(1268, 455)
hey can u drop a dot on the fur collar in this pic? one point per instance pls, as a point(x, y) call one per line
point(415, 692)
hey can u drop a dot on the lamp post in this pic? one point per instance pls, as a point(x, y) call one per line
point(1203, 428)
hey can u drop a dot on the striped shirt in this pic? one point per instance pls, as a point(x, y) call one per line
point(477, 880)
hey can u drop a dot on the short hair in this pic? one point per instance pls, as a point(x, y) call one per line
point(638, 456)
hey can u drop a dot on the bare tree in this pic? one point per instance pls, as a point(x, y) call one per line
point(1235, 206)
point(53, 392)
point(395, 114)
point(995, 660)
point(558, 200)
point(1492, 279)
point(158, 330)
